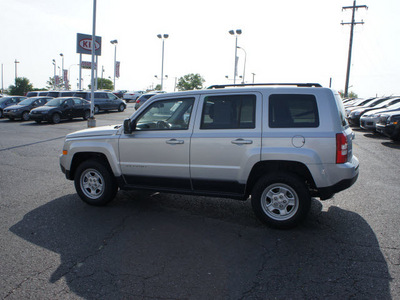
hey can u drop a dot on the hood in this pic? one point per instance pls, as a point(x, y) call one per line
point(96, 131)
point(44, 108)
point(16, 106)
point(392, 113)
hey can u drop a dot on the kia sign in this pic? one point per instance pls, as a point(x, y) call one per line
point(84, 44)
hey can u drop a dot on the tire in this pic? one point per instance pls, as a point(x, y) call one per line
point(96, 109)
point(281, 200)
point(121, 108)
point(38, 121)
point(55, 118)
point(1, 113)
point(86, 114)
point(94, 183)
point(25, 116)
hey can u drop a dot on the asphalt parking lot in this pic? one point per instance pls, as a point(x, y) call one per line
point(159, 246)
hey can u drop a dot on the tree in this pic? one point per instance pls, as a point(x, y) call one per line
point(190, 82)
point(351, 94)
point(103, 84)
point(59, 85)
point(21, 87)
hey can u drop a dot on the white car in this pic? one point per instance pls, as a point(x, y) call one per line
point(132, 95)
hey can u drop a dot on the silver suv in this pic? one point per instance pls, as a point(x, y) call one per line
point(281, 145)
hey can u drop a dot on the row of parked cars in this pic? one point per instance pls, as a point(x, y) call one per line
point(53, 106)
point(139, 97)
point(380, 115)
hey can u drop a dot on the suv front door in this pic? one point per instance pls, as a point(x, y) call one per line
point(156, 154)
point(226, 142)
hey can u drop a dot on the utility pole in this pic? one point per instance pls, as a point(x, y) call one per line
point(352, 23)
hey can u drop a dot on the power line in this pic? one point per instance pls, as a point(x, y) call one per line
point(352, 23)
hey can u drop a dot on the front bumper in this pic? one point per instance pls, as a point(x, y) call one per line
point(354, 121)
point(12, 114)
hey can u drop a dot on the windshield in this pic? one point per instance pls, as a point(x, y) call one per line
point(54, 102)
point(4, 99)
point(26, 101)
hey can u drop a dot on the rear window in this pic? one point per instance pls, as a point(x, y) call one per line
point(293, 111)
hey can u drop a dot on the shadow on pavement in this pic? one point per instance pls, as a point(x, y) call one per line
point(164, 246)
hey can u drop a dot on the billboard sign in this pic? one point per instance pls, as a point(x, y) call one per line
point(84, 44)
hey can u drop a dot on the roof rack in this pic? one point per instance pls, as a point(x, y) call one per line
point(221, 86)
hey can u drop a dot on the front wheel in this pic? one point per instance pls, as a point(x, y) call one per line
point(281, 200)
point(55, 118)
point(121, 108)
point(25, 116)
point(94, 183)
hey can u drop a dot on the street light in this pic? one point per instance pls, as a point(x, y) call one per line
point(16, 62)
point(238, 32)
point(62, 69)
point(115, 42)
point(162, 37)
point(244, 66)
point(55, 68)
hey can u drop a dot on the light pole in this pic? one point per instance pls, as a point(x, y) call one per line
point(115, 42)
point(235, 33)
point(16, 62)
point(55, 68)
point(162, 37)
point(244, 66)
point(62, 69)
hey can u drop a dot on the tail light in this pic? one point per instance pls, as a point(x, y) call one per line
point(138, 101)
point(341, 148)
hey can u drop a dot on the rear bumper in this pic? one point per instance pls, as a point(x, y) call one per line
point(328, 192)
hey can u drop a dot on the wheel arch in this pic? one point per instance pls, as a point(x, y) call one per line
point(80, 157)
point(278, 166)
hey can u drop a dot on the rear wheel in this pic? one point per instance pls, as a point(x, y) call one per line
point(94, 183)
point(96, 109)
point(281, 200)
point(86, 114)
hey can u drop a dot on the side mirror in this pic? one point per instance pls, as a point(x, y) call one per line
point(129, 126)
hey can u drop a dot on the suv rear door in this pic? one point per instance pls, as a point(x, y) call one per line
point(226, 142)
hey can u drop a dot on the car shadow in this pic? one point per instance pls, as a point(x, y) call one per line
point(165, 246)
point(392, 144)
point(375, 135)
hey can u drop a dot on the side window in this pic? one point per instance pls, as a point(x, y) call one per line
point(229, 112)
point(111, 96)
point(172, 114)
point(77, 101)
point(293, 111)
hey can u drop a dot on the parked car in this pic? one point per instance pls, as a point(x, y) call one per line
point(22, 109)
point(57, 94)
point(354, 116)
point(103, 101)
point(36, 93)
point(119, 93)
point(61, 108)
point(142, 99)
point(132, 95)
point(389, 125)
point(278, 146)
point(369, 119)
point(8, 101)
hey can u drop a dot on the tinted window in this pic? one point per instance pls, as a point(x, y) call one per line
point(297, 111)
point(228, 112)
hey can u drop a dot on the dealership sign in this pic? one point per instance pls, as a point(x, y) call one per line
point(84, 44)
point(88, 65)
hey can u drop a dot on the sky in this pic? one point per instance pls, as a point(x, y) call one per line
point(283, 41)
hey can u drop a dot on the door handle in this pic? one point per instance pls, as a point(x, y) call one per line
point(242, 142)
point(174, 142)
